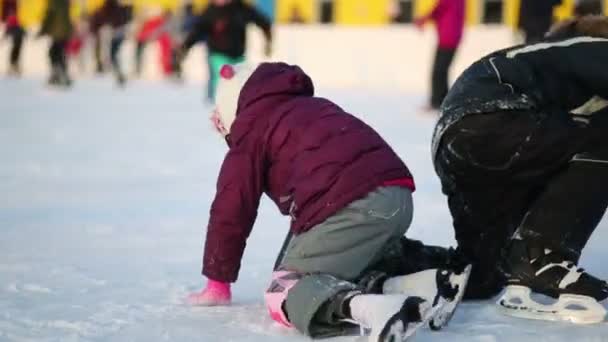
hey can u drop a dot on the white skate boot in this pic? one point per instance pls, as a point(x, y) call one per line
point(442, 288)
point(543, 285)
point(391, 318)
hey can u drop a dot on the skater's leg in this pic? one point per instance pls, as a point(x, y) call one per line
point(139, 53)
point(546, 248)
point(55, 61)
point(62, 63)
point(99, 64)
point(565, 215)
point(359, 232)
point(115, 45)
point(492, 166)
point(216, 61)
point(405, 256)
point(15, 54)
point(439, 84)
point(209, 79)
point(330, 257)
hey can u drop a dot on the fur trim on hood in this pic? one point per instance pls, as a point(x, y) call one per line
point(590, 25)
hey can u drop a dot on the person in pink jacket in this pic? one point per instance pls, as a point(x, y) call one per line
point(448, 16)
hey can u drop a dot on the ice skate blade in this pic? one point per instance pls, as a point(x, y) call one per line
point(445, 314)
point(399, 328)
point(517, 302)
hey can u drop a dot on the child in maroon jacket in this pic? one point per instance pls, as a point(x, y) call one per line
point(349, 197)
point(448, 16)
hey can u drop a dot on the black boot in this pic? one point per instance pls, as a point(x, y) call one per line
point(550, 272)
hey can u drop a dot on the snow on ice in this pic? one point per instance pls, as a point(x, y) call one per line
point(104, 201)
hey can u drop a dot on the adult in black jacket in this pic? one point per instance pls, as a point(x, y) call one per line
point(521, 149)
point(224, 25)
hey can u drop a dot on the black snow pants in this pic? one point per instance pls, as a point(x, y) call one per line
point(538, 172)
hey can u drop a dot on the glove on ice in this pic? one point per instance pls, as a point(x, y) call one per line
point(216, 293)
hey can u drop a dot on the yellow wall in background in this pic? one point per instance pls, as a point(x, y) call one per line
point(346, 12)
point(31, 12)
point(473, 12)
point(511, 12)
point(307, 9)
point(361, 12)
point(422, 7)
point(565, 10)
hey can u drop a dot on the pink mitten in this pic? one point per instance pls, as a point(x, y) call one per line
point(216, 293)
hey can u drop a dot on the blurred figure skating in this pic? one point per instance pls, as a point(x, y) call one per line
point(448, 16)
point(116, 16)
point(156, 27)
point(58, 27)
point(185, 22)
point(224, 24)
point(76, 43)
point(15, 32)
point(535, 18)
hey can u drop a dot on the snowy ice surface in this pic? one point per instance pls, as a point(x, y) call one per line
point(104, 199)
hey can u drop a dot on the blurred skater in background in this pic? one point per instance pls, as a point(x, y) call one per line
point(58, 26)
point(14, 31)
point(448, 16)
point(535, 18)
point(116, 17)
point(224, 25)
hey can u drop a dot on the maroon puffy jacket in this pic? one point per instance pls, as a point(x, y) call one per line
point(308, 155)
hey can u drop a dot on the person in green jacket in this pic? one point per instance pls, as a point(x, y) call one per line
point(58, 26)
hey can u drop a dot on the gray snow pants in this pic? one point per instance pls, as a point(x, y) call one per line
point(333, 254)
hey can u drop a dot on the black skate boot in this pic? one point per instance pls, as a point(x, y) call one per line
point(538, 270)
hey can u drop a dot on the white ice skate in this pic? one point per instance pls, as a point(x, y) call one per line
point(443, 288)
point(390, 318)
point(518, 301)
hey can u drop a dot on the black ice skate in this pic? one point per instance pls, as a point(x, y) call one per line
point(390, 317)
point(575, 295)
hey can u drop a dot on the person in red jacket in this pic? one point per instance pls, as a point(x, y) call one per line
point(448, 16)
point(15, 31)
point(349, 197)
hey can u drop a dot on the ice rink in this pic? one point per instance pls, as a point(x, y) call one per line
point(104, 200)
